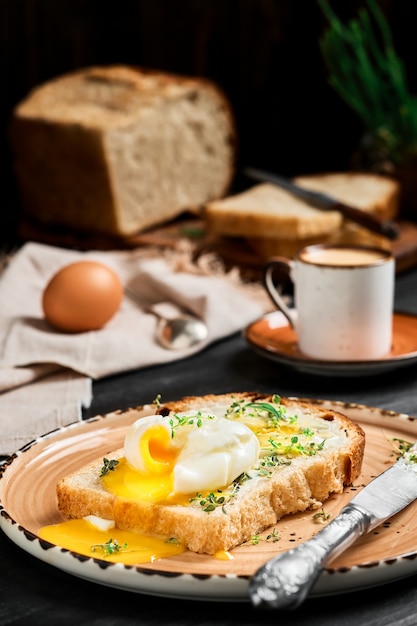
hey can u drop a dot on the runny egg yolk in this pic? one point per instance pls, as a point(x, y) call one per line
point(155, 482)
point(157, 454)
point(147, 487)
point(115, 545)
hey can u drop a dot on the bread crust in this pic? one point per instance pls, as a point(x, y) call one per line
point(274, 222)
point(118, 149)
point(303, 484)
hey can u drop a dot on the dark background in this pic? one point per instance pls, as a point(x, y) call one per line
point(263, 53)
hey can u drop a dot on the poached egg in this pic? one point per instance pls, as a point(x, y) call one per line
point(167, 458)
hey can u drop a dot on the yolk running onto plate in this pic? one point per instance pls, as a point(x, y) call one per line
point(115, 545)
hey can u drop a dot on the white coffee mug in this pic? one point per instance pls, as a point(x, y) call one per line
point(343, 299)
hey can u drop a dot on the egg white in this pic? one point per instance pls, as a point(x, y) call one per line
point(209, 451)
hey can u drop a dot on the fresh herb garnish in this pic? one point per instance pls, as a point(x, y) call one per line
point(274, 410)
point(177, 421)
point(411, 457)
point(295, 447)
point(108, 465)
point(210, 502)
point(402, 449)
point(273, 536)
point(213, 500)
point(268, 463)
point(401, 445)
point(274, 414)
point(321, 516)
point(110, 547)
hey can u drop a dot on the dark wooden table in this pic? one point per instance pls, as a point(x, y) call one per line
point(33, 593)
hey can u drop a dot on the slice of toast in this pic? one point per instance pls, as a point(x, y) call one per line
point(266, 210)
point(274, 222)
point(279, 484)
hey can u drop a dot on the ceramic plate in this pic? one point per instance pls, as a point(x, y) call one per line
point(27, 502)
point(273, 337)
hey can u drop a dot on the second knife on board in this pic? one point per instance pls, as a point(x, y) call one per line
point(326, 202)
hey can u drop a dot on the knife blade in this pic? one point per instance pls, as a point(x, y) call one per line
point(327, 202)
point(285, 581)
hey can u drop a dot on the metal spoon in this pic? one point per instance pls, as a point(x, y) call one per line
point(174, 333)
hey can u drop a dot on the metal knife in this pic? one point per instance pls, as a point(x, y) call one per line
point(326, 202)
point(285, 581)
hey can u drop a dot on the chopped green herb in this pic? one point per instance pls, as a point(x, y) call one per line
point(268, 463)
point(177, 421)
point(275, 412)
point(321, 516)
point(308, 432)
point(255, 539)
point(212, 501)
point(110, 547)
point(295, 447)
point(401, 445)
point(242, 478)
point(275, 415)
point(108, 465)
point(274, 536)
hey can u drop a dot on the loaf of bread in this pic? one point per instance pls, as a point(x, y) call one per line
point(275, 222)
point(118, 149)
point(307, 452)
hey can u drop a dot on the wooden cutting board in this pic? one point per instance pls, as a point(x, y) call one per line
point(405, 247)
point(233, 251)
point(237, 251)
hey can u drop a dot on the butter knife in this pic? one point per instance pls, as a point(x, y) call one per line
point(326, 202)
point(285, 581)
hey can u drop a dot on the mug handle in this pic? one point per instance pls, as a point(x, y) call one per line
point(269, 269)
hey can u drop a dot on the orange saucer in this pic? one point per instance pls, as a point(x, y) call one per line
point(273, 337)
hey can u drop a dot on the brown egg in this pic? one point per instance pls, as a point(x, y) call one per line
point(82, 296)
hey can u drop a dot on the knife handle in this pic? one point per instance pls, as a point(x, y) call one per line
point(325, 202)
point(369, 220)
point(285, 581)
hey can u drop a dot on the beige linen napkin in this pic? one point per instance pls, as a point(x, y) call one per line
point(45, 375)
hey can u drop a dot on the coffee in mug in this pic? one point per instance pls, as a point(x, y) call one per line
point(343, 297)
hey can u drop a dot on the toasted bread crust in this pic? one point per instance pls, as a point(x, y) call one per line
point(274, 222)
point(305, 483)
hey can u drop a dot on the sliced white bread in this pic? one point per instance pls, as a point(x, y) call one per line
point(266, 210)
point(364, 190)
point(276, 222)
point(278, 485)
